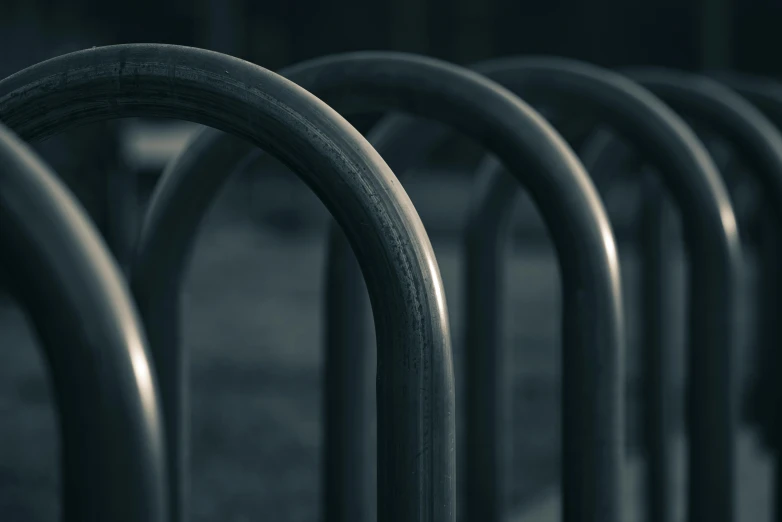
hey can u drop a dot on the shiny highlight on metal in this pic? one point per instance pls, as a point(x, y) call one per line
point(112, 447)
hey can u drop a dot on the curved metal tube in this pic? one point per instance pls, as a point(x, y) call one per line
point(372, 81)
point(113, 446)
point(347, 458)
point(489, 383)
point(766, 393)
point(758, 143)
point(657, 305)
point(584, 241)
point(604, 154)
point(488, 406)
point(710, 227)
point(766, 95)
point(415, 374)
point(707, 102)
point(452, 95)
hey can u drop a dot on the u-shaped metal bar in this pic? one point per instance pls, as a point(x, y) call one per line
point(759, 144)
point(112, 452)
point(542, 163)
point(766, 95)
point(372, 81)
point(573, 89)
point(415, 377)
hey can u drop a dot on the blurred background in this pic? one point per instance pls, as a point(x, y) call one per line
point(253, 301)
point(676, 33)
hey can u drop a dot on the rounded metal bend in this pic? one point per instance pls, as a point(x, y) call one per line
point(718, 108)
point(113, 446)
point(373, 81)
point(756, 141)
point(760, 403)
point(415, 379)
point(543, 163)
point(573, 89)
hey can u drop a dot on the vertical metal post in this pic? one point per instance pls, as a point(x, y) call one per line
point(765, 394)
point(346, 404)
point(488, 375)
point(122, 213)
point(604, 155)
point(769, 340)
point(656, 259)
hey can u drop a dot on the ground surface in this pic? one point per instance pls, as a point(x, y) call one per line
point(754, 491)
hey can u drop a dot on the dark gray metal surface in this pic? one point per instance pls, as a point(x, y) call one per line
point(347, 457)
point(657, 272)
point(415, 374)
point(712, 238)
point(488, 384)
point(365, 82)
point(761, 403)
point(759, 145)
point(572, 90)
point(112, 441)
point(542, 162)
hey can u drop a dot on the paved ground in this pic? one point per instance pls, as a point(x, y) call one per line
point(753, 481)
point(252, 323)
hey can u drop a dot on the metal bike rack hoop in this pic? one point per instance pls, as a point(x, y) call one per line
point(710, 227)
point(375, 81)
point(112, 449)
point(417, 401)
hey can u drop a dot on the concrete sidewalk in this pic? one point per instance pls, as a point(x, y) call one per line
point(753, 481)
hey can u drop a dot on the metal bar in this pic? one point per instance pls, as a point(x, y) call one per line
point(487, 377)
point(415, 370)
point(759, 143)
point(347, 403)
point(162, 257)
point(487, 381)
point(715, 250)
point(122, 208)
point(111, 426)
point(765, 393)
point(550, 171)
point(348, 466)
point(657, 259)
point(366, 82)
point(346, 458)
point(710, 227)
point(766, 397)
point(604, 156)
